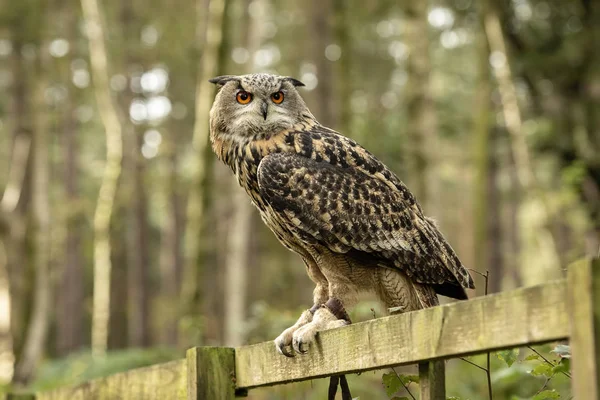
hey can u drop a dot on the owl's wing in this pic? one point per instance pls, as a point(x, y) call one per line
point(350, 211)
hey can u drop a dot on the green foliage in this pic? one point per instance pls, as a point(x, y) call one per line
point(83, 367)
point(408, 379)
point(392, 383)
point(4, 388)
point(563, 366)
point(508, 356)
point(542, 369)
point(516, 374)
point(546, 394)
point(532, 357)
point(574, 174)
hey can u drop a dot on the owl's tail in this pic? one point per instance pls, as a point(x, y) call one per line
point(446, 256)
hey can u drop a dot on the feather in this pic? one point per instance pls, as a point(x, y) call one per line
point(335, 192)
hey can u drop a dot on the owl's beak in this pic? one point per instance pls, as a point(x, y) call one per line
point(264, 108)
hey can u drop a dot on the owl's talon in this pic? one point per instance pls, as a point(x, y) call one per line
point(283, 345)
point(283, 350)
point(298, 345)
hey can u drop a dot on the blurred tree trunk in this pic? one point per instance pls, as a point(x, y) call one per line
point(37, 328)
point(494, 259)
point(170, 244)
point(236, 267)
point(167, 314)
point(591, 115)
point(112, 170)
point(16, 197)
point(238, 238)
point(11, 279)
point(344, 81)
point(190, 296)
point(70, 294)
point(321, 18)
point(515, 197)
point(70, 299)
point(7, 355)
point(139, 270)
point(122, 226)
point(118, 337)
point(513, 121)
point(214, 248)
point(508, 95)
point(421, 116)
point(572, 94)
point(591, 193)
point(483, 159)
point(138, 266)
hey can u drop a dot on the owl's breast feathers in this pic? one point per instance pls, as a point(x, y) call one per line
point(324, 189)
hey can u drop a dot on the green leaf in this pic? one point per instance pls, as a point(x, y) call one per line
point(408, 379)
point(542, 370)
point(563, 366)
point(563, 350)
point(532, 357)
point(453, 398)
point(508, 356)
point(546, 394)
point(392, 383)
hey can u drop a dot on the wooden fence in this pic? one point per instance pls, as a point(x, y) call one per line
point(559, 310)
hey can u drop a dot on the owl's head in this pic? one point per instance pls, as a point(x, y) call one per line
point(251, 106)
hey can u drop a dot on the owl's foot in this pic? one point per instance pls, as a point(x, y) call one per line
point(323, 319)
point(319, 318)
point(283, 342)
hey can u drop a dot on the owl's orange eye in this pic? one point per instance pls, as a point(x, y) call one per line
point(243, 97)
point(277, 97)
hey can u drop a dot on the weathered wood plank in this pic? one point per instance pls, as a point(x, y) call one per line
point(584, 311)
point(525, 316)
point(211, 373)
point(162, 381)
point(432, 380)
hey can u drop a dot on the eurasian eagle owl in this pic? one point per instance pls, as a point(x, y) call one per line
point(354, 223)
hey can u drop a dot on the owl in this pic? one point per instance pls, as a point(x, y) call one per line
point(353, 222)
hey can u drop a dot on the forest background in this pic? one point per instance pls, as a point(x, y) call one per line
point(122, 240)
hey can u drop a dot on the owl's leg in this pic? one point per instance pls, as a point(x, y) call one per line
point(396, 290)
point(330, 315)
point(339, 271)
point(283, 342)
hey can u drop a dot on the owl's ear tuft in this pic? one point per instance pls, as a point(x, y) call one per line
point(223, 79)
point(294, 81)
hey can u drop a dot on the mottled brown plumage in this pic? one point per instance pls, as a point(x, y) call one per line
point(355, 224)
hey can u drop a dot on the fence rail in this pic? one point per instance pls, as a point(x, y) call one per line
point(525, 316)
point(564, 309)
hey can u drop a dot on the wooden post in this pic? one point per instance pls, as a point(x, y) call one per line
point(432, 380)
point(211, 373)
point(432, 376)
point(583, 290)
